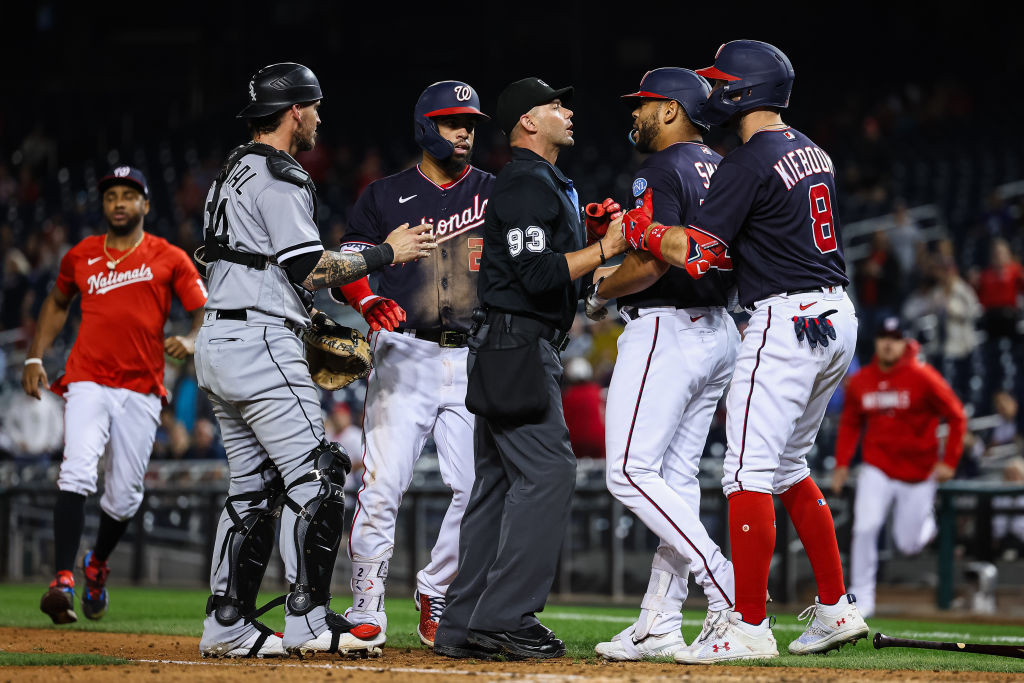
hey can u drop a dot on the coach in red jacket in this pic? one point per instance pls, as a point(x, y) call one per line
point(897, 401)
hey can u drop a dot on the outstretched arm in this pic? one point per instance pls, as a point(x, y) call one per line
point(404, 244)
point(52, 316)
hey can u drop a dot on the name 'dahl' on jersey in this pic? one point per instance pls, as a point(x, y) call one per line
point(101, 284)
point(800, 163)
point(458, 223)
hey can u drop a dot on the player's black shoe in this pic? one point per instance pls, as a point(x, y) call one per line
point(535, 642)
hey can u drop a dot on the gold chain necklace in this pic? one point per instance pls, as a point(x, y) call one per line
point(111, 262)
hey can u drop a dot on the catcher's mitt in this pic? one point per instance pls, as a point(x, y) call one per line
point(337, 355)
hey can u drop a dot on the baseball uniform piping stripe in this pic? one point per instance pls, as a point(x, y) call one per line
point(298, 249)
point(285, 378)
point(746, 413)
point(362, 477)
point(625, 459)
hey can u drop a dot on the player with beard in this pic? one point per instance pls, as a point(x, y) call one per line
point(419, 315)
point(675, 359)
point(113, 379)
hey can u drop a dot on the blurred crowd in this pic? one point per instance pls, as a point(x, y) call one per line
point(934, 232)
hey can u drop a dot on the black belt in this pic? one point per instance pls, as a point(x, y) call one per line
point(805, 290)
point(449, 339)
point(521, 323)
point(243, 314)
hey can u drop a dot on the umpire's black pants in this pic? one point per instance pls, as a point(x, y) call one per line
point(516, 519)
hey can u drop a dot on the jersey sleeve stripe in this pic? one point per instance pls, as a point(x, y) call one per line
point(299, 249)
point(709, 234)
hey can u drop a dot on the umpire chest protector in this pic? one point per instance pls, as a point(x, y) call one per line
point(215, 244)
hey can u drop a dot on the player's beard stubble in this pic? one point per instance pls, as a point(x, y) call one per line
point(646, 130)
point(125, 227)
point(304, 138)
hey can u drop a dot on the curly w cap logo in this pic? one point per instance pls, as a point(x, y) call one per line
point(122, 171)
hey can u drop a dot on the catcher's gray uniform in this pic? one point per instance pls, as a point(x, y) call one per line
point(250, 362)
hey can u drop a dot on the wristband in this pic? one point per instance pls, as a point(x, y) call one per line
point(652, 241)
point(379, 256)
point(33, 361)
point(603, 259)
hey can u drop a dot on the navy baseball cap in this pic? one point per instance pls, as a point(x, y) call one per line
point(522, 96)
point(125, 175)
point(891, 327)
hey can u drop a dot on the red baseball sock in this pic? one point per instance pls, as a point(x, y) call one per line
point(752, 539)
point(813, 521)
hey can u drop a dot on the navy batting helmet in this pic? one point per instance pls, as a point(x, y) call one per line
point(444, 98)
point(758, 72)
point(278, 87)
point(682, 85)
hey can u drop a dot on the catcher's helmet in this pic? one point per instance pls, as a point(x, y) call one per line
point(278, 87)
point(444, 98)
point(758, 72)
point(682, 85)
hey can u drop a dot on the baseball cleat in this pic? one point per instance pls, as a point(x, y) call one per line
point(430, 608)
point(625, 647)
point(344, 638)
point(59, 601)
point(829, 627)
point(94, 599)
point(533, 642)
point(729, 639)
point(260, 644)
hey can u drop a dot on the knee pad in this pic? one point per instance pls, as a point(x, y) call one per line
point(318, 527)
point(248, 545)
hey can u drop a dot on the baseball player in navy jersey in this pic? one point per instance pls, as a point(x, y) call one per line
point(771, 208)
point(675, 359)
point(419, 316)
point(263, 258)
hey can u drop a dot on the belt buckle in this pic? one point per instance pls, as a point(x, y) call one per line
point(451, 339)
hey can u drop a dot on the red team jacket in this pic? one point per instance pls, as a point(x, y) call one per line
point(898, 412)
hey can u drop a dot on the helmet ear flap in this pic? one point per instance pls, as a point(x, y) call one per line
point(431, 141)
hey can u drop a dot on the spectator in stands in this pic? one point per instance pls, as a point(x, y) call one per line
point(878, 284)
point(205, 443)
point(583, 405)
point(959, 311)
point(896, 403)
point(1006, 432)
point(999, 289)
point(906, 239)
point(341, 426)
point(1008, 529)
point(31, 428)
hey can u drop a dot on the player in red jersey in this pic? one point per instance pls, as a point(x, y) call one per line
point(896, 402)
point(113, 378)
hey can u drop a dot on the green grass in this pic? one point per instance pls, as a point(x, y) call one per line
point(181, 612)
point(45, 659)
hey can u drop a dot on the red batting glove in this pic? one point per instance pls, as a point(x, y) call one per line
point(636, 221)
point(381, 313)
point(598, 216)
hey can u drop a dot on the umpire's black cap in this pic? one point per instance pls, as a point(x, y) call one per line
point(125, 175)
point(278, 87)
point(522, 96)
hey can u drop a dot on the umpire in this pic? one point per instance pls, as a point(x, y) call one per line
point(533, 258)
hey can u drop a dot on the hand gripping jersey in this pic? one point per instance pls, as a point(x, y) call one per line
point(121, 339)
point(679, 177)
point(439, 291)
point(771, 202)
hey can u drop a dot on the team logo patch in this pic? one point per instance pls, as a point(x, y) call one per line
point(639, 185)
point(821, 502)
point(789, 136)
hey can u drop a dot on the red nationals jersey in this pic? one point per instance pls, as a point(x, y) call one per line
point(899, 412)
point(121, 340)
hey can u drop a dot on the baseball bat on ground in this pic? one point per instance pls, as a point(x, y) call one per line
point(881, 640)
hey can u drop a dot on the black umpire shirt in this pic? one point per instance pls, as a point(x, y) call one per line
point(532, 220)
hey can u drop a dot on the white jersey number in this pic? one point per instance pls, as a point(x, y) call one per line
point(534, 240)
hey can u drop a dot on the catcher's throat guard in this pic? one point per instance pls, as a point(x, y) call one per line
point(337, 355)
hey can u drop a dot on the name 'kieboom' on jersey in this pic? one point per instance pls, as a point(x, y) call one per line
point(102, 283)
point(457, 223)
point(800, 163)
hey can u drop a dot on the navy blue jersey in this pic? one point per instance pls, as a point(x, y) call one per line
point(772, 201)
point(679, 177)
point(440, 290)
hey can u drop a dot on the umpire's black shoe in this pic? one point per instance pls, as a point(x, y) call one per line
point(468, 651)
point(535, 642)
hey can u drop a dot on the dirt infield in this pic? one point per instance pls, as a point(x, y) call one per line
point(176, 658)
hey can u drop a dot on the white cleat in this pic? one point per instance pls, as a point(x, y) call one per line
point(829, 627)
point(624, 647)
point(728, 639)
point(272, 646)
